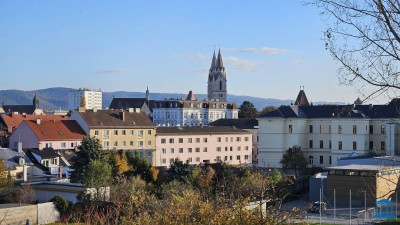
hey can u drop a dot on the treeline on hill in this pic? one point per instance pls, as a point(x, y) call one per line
point(142, 194)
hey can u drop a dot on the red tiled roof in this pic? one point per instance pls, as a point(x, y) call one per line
point(12, 121)
point(56, 130)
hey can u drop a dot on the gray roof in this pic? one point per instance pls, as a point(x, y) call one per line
point(359, 167)
point(390, 110)
point(126, 103)
point(11, 157)
point(199, 130)
point(239, 123)
point(21, 109)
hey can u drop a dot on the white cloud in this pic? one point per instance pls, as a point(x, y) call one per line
point(114, 71)
point(241, 64)
point(262, 50)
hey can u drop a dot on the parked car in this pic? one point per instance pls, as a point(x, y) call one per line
point(316, 207)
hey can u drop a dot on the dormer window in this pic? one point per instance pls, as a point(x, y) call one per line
point(21, 161)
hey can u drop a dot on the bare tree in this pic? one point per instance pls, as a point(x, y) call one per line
point(364, 37)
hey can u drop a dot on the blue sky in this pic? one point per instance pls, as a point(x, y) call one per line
point(269, 48)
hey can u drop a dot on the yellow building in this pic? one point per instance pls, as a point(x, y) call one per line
point(119, 129)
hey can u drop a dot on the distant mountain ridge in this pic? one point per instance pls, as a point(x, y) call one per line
point(57, 98)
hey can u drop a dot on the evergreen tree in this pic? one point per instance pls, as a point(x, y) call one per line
point(89, 151)
point(294, 158)
point(247, 110)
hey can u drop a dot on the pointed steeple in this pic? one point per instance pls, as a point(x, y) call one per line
point(301, 99)
point(358, 101)
point(190, 96)
point(220, 64)
point(214, 60)
point(147, 94)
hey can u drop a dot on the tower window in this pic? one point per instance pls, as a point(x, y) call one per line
point(220, 85)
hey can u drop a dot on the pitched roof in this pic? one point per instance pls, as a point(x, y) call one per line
point(11, 157)
point(239, 123)
point(126, 103)
point(190, 96)
point(391, 110)
point(301, 99)
point(199, 130)
point(46, 153)
point(28, 109)
point(56, 130)
point(13, 120)
point(116, 119)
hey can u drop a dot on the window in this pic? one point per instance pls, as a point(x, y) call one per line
point(189, 160)
point(354, 145)
point(149, 132)
point(340, 145)
point(230, 157)
point(321, 159)
point(190, 150)
point(330, 160)
point(115, 132)
point(321, 144)
point(340, 129)
point(218, 149)
point(231, 139)
point(164, 160)
point(354, 129)
point(226, 139)
point(163, 140)
point(230, 148)
point(140, 144)
point(246, 138)
point(330, 129)
point(149, 143)
point(310, 159)
point(238, 157)
point(140, 133)
point(115, 143)
point(330, 144)
point(180, 140)
point(131, 144)
point(311, 129)
point(197, 159)
point(190, 140)
point(96, 132)
point(205, 140)
point(205, 149)
point(164, 151)
point(226, 148)
point(219, 139)
point(371, 129)
point(171, 160)
point(124, 132)
point(383, 145)
point(238, 139)
point(106, 145)
point(132, 132)
point(225, 158)
point(382, 129)
point(172, 151)
point(311, 144)
point(290, 129)
point(246, 148)
point(371, 145)
point(321, 129)
point(246, 157)
point(124, 144)
point(63, 145)
point(106, 133)
point(171, 140)
point(197, 149)
point(197, 140)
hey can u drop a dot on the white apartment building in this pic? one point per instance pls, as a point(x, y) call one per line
point(93, 98)
point(328, 132)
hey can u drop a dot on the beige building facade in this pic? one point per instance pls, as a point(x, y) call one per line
point(203, 145)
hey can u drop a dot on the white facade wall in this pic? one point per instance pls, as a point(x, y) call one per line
point(330, 138)
point(94, 99)
point(234, 149)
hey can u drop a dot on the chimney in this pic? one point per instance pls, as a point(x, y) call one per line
point(25, 172)
point(122, 115)
point(81, 109)
point(38, 120)
point(60, 170)
point(94, 109)
point(19, 147)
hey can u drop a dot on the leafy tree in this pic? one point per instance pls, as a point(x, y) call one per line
point(140, 167)
point(89, 151)
point(82, 102)
point(119, 163)
point(179, 171)
point(294, 158)
point(267, 109)
point(364, 38)
point(97, 174)
point(247, 110)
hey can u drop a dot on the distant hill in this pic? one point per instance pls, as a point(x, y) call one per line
point(57, 98)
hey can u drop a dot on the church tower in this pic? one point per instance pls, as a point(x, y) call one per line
point(217, 79)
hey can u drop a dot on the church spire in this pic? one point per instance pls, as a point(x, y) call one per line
point(220, 64)
point(213, 62)
point(147, 94)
